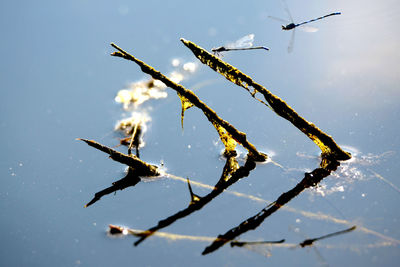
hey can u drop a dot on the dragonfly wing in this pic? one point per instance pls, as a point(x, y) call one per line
point(308, 28)
point(279, 19)
point(291, 42)
point(244, 42)
point(321, 259)
point(285, 6)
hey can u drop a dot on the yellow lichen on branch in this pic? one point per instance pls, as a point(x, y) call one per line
point(193, 99)
point(226, 138)
point(186, 104)
point(323, 141)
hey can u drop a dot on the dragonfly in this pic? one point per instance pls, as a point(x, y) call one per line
point(261, 247)
point(309, 242)
point(292, 26)
point(244, 43)
point(241, 244)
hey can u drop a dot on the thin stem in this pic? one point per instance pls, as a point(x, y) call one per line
point(133, 138)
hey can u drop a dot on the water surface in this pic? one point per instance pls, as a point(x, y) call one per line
point(59, 84)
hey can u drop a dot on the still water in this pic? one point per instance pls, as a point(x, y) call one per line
point(60, 83)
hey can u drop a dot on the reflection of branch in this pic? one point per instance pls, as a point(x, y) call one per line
point(261, 246)
point(192, 98)
point(308, 214)
point(116, 230)
point(310, 179)
point(230, 175)
point(137, 167)
point(131, 179)
point(324, 141)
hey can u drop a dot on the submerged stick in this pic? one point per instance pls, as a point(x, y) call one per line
point(323, 141)
point(189, 95)
point(142, 168)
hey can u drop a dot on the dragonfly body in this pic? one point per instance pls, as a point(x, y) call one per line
point(223, 48)
point(218, 49)
point(289, 26)
point(292, 25)
point(244, 43)
point(309, 242)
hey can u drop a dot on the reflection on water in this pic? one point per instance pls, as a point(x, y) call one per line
point(230, 174)
point(141, 91)
point(131, 179)
point(355, 170)
point(133, 129)
point(310, 179)
point(309, 242)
